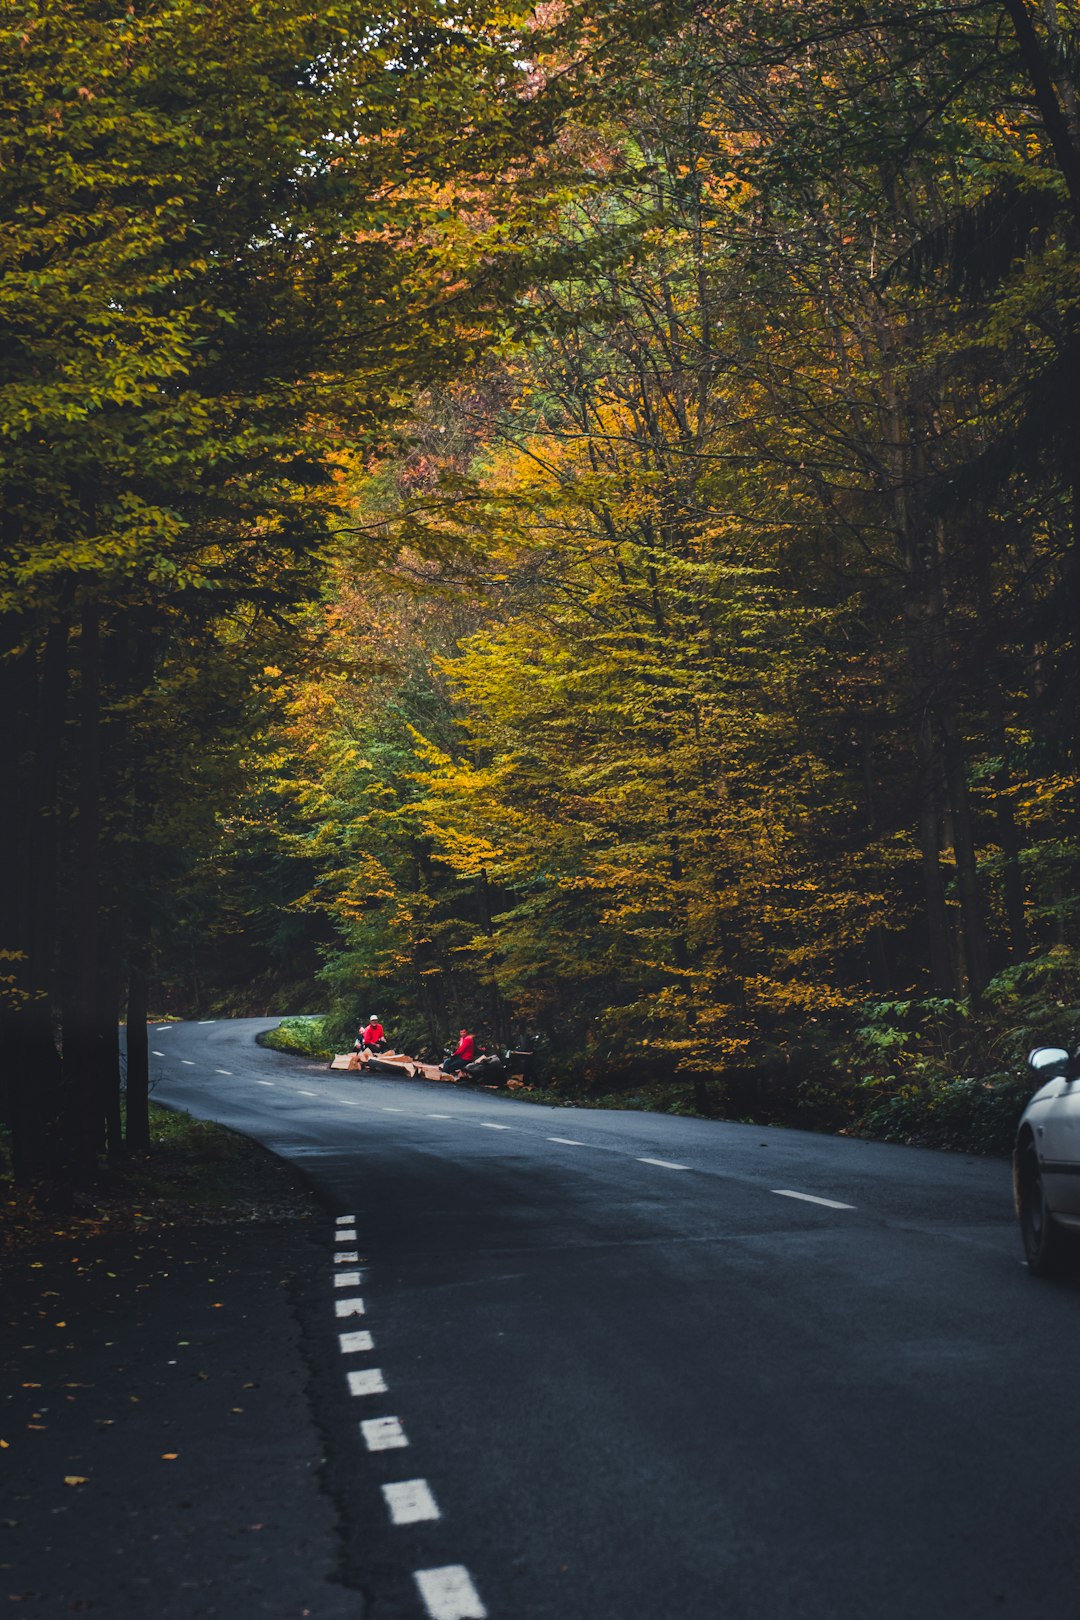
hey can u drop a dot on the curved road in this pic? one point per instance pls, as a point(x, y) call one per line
point(649, 1368)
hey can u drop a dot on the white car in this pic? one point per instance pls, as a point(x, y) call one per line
point(1046, 1161)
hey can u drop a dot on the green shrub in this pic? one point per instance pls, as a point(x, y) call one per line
point(306, 1037)
point(952, 1074)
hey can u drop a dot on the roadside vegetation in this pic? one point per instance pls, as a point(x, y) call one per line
point(305, 1037)
point(194, 1174)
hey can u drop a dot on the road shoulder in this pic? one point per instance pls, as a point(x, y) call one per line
point(160, 1455)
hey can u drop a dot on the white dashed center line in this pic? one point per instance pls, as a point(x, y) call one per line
point(393, 1110)
point(204, 1021)
point(383, 1434)
point(159, 1027)
point(808, 1198)
point(567, 1141)
point(349, 1102)
point(347, 1257)
point(486, 1126)
point(410, 1501)
point(439, 1116)
point(357, 1341)
point(370, 1382)
point(349, 1307)
point(223, 1071)
point(156, 1054)
point(188, 1062)
point(264, 1083)
point(664, 1164)
point(449, 1594)
point(306, 1093)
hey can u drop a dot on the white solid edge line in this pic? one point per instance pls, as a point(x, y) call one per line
point(368, 1382)
point(808, 1198)
point(449, 1593)
point(567, 1141)
point(485, 1125)
point(664, 1164)
point(383, 1434)
point(409, 1501)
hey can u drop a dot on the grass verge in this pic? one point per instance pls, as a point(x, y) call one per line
point(196, 1174)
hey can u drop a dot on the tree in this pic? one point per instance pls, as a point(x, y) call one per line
point(223, 274)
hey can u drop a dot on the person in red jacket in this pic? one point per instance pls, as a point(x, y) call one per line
point(464, 1052)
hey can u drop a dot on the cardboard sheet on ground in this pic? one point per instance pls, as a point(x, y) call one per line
point(389, 1064)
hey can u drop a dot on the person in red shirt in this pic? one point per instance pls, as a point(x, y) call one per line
point(464, 1052)
point(372, 1036)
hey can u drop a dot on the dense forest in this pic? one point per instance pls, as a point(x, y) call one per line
point(567, 522)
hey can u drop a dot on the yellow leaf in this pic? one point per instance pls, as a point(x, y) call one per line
point(74, 1479)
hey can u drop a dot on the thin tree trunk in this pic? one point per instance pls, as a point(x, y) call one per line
point(972, 914)
point(942, 967)
point(876, 941)
point(138, 1044)
point(1015, 889)
point(107, 1042)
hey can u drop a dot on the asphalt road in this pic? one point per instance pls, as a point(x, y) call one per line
point(648, 1368)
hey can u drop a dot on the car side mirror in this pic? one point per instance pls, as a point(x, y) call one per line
point(1046, 1058)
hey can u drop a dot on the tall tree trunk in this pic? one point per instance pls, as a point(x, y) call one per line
point(32, 1061)
point(84, 1136)
point(1054, 116)
point(1014, 889)
point(929, 551)
point(968, 887)
point(499, 1020)
point(17, 692)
